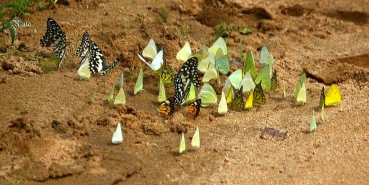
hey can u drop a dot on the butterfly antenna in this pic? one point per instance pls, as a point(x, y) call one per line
point(109, 68)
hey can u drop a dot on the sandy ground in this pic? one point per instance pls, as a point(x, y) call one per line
point(51, 134)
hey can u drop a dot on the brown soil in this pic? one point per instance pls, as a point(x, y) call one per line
point(51, 134)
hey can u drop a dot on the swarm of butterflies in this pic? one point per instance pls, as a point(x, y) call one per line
point(92, 62)
point(212, 62)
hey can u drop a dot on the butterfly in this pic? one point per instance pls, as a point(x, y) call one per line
point(54, 36)
point(322, 98)
point(162, 96)
point(264, 77)
point(139, 82)
point(117, 135)
point(84, 70)
point(248, 103)
point(194, 108)
point(184, 53)
point(300, 90)
point(182, 144)
point(181, 90)
point(219, 44)
point(258, 94)
point(274, 81)
point(312, 123)
point(195, 142)
point(189, 71)
point(333, 96)
point(238, 102)
point(166, 108)
point(167, 75)
point(98, 63)
point(222, 107)
point(120, 99)
point(150, 52)
point(207, 95)
point(249, 64)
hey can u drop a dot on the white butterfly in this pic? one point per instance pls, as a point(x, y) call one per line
point(117, 136)
point(150, 52)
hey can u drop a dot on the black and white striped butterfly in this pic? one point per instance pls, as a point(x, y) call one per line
point(98, 63)
point(181, 90)
point(55, 37)
point(188, 71)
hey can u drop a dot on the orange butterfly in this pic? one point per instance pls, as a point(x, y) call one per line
point(194, 108)
point(166, 108)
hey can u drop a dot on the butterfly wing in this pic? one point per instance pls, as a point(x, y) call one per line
point(166, 108)
point(184, 53)
point(54, 34)
point(274, 81)
point(150, 50)
point(194, 108)
point(167, 75)
point(97, 61)
point(84, 71)
point(333, 96)
point(106, 69)
point(258, 94)
point(189, 71)
point(207, 95)
point(248, 104)
point(222, 108)
point(84, 47)
point(178, 89)
point(238, 102)
point(322, 98)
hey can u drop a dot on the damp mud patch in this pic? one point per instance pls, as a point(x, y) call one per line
point(339, 70)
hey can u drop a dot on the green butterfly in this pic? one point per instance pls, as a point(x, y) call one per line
point(238, 102)
point(120, 99)
point(162, 96)
point(300, 90)
point(219, 44)
point(207, 95)
point(274, 81)
point(249, 65)
point(264, 78)
point(139, 82)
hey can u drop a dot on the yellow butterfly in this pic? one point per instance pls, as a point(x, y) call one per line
point(230, 95)
point(162, 96)
point(333, 96)
point(237, 101)
point(258, 94)
point(248, 104)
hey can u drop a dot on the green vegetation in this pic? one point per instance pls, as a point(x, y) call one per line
point(164, 15)
point(44, 63)
point(182, 31)
point(127, 25)
point(140, 16)
point(92, 100)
